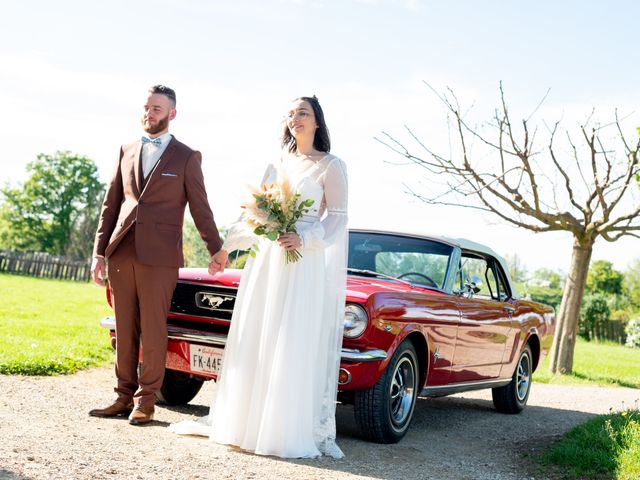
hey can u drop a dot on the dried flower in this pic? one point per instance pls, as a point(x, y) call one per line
point(273, 210)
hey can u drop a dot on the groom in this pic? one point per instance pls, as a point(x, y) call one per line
point(140, 236)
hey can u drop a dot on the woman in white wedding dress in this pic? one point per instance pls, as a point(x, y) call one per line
point(276, 393)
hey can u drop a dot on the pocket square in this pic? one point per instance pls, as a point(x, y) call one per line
point(166, 174)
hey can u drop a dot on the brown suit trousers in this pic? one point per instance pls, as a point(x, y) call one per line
point(141, 300)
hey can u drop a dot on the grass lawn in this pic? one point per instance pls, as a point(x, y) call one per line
point(607, 446)
point(607, 364)
point(51, 326)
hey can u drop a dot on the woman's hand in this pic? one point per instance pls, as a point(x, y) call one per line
point(290, 241)
point(218, 261)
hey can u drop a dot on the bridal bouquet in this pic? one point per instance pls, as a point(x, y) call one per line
point(274, 210)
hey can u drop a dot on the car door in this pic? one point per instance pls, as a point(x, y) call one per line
point(426, 306)
point(485, 319)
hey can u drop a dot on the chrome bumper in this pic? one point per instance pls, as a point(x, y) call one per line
point(189, 335)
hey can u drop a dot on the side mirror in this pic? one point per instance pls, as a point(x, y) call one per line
point(473, 285)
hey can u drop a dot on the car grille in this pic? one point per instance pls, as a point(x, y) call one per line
point(210, 301)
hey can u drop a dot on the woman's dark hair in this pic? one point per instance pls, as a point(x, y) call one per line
point(321, 141)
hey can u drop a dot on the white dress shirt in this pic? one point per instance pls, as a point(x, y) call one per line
point(151, 153)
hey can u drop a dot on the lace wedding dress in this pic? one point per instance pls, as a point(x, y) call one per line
point(277, 388)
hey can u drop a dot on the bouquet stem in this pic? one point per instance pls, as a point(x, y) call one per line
point(291, 256)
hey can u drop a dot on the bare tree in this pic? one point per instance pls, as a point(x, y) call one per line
point(576, 186)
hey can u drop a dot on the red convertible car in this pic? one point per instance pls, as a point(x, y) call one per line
point(424, 315)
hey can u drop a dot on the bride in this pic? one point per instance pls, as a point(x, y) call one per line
point(276, 393)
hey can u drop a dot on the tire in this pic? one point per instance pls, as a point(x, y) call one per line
point(513, 397)
point(178, 388)
point(384, 412)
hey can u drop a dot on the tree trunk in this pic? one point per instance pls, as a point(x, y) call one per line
point(568, 317)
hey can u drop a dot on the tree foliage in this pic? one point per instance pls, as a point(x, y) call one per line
point(546, 277)
point(542, 294)
point(194, 249)
point(632, 283)
point(603, 278)
point(595, 315)
point(56, 210)
point(633, 333)
point(517, 269)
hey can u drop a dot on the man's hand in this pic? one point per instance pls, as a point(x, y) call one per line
point(218, 262)
point(98, 270)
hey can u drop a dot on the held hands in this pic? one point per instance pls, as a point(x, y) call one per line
point(290, 241)
point(98, 270)
point(218, 261)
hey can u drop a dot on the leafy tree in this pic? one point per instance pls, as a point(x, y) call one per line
point(603, 278)
point(633, 333)
point(585, 186)
point(595, 314)
point(546, 295)
point(196, 253)
point(56, 210)
point(632, 283)
point(517, 269)
point(547, 278)
point(238, 259)
point(194, 249)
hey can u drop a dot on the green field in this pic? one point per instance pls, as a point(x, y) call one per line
point(51, 326)
point(607, 364)
point(607, 446)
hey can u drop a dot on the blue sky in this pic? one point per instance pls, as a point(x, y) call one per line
point(73, 76)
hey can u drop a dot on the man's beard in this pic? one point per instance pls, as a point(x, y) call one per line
point(162, 124)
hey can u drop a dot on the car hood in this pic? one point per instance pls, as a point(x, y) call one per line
point(357, 287)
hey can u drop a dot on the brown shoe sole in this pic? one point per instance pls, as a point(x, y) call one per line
point(141, 421)
point(100, 414)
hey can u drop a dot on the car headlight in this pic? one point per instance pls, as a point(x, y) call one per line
point(355, 320)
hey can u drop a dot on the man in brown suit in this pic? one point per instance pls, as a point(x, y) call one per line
point(140, 235)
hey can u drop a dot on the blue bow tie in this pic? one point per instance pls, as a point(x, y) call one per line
point(154, 141)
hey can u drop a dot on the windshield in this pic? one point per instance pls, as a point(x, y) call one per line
point(414, 260)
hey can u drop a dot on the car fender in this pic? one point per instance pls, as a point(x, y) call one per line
point(532, 336)
point(421, 341)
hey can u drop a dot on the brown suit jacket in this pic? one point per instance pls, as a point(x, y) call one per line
point(155, 208)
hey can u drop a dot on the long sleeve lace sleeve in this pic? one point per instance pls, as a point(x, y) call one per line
point(322, 233)
point(239, 236)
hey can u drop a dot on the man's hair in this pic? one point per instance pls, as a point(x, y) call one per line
point(166, 91)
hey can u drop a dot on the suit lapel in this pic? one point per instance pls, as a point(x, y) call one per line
point(137, 168)
point(160, 164)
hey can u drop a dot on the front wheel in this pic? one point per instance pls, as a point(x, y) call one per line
point(178, 388)
point(513, 397)
point(383, 412)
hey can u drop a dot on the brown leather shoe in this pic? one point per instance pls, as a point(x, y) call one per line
point(117, 408)
point(141, 415)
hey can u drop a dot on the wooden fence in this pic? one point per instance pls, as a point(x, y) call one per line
point(613, 330)
point(44, 265)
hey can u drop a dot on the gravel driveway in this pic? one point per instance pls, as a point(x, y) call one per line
point(45, 433)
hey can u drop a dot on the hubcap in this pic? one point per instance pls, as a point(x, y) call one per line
point(523, 377)
point(402, 391)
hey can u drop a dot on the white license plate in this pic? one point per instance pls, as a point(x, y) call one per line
point(205, 359)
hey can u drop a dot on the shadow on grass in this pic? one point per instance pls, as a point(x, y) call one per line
point(604, 380)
